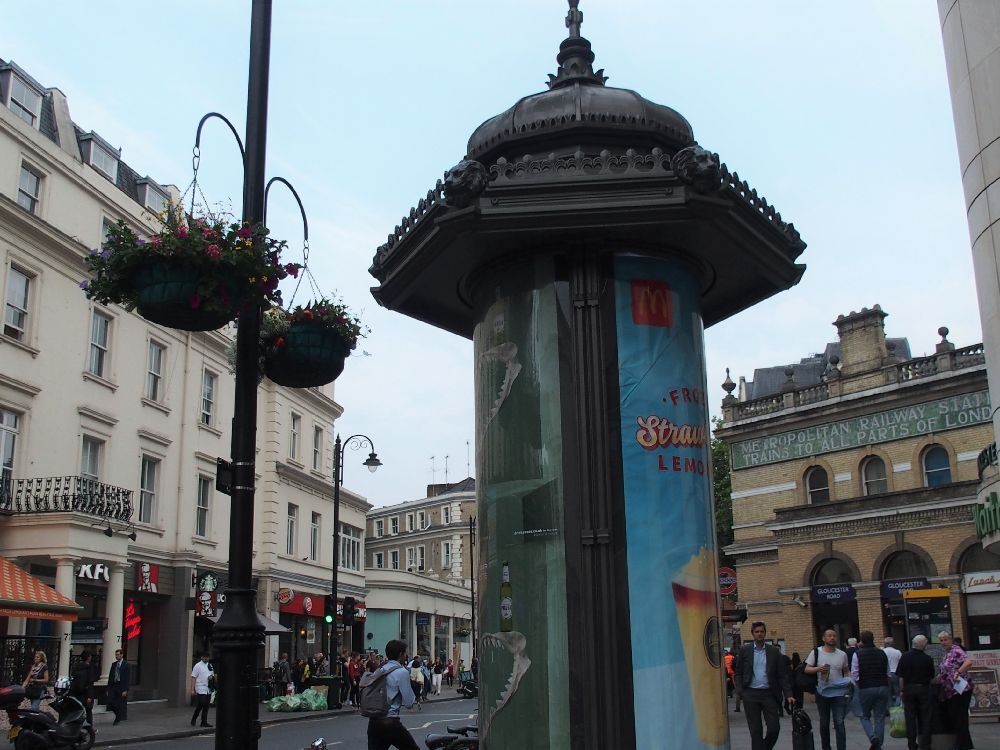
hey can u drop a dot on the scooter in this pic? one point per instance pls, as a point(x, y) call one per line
point(469, 688)
point(32, 729)
point(464, 737)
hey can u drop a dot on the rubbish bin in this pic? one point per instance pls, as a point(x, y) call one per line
point(332, 684)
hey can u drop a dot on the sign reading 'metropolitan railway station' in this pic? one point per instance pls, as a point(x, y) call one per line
point(881, 427)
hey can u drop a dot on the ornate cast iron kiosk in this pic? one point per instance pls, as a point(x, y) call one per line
point(583, 244)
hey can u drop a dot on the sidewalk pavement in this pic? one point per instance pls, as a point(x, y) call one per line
point(155, 720)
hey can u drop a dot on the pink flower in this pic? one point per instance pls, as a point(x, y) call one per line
point(245, 232)
point(208, 233)
point(292, 270)
point(182, 231)
point(213, 251)
point(155, 239)
point(195, 301)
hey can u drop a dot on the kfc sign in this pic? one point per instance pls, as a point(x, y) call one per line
point(94, 572)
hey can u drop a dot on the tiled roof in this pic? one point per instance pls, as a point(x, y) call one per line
point(23, 595)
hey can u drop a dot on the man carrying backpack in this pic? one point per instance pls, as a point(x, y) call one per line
point(383, 692)
point(833, 688)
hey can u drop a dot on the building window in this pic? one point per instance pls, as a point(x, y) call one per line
point(411, 559)
point(817, 485)
point(446, 554)
point(379, 560)
point(28, 189)
point(978, 560)
point(147, 489)
point(832, 570)
point(314, 528)
point(293, 436)
point(379, 527)
point(152, 198)
point(293, 518)
point(154, 371)
point(15, 316)
point(905, 564)
point(317, 448)
point(937, 468)
point(409, 521)
point(103, 161)
point(394, 559)
point(394, 525)
point(25, 102)
point(420, 558)
point(873, 476)
point(421, 520)
point(203, 505)
point(209, 380)
point(350, 547)
point(100, 341)
point(90, 458)
point(446, 515)
point(8, 440)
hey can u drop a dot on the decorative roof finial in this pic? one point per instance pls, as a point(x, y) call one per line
point(573, 19)
point(575, 57)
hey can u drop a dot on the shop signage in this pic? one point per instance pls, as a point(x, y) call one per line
point(881, 427)
point(207, 596)
point(981, 583)
point(987, 458)
point(423, 619)
point(986, 514)
point(360, 611)
point(833, 593)
point(727, 581)
point(88, 631)
point(310, 605)
point(133, 622)
point(94, 572)
point(894, 589)
point(205, 604)
point(284, 596)
point(147, 577)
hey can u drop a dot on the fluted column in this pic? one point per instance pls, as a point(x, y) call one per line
point(65, 585)
point(114, 609)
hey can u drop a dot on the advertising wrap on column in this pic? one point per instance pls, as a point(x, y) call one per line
point(672, 567)
point(521, 582)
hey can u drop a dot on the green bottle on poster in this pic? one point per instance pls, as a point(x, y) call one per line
point(506, 602)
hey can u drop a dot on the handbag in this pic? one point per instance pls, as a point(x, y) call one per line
point(33, 691)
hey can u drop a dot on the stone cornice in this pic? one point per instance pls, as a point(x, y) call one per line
point(324, 489)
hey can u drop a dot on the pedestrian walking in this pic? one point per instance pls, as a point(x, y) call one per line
point(355, 669)
point(283, 675)
point(118, 684)
point(437, 676)
point(956, 692)
point(870, 672)
point(449, 674)
point(762, 679)
point(417, 679)
point(36, 680)
point(833, 688)
point(916, 675)
point(201, 690)
point(892, 654)
point(388, 731)
point(85, 674)
point(728, 660)
point(426, 671)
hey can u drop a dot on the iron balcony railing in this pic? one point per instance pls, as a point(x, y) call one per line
point(65, 494)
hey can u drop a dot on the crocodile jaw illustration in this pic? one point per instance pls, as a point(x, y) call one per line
point(514, 644)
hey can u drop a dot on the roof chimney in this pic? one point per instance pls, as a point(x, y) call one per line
point(862, 340)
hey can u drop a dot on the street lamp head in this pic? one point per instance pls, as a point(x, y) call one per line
point(372, 462)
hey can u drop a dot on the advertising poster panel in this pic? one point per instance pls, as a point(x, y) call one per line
point(672, 567)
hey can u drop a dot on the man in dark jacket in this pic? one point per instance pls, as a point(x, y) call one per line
point(915, 672)
point(761, 679)
point(118, 684)
point(85, 674)
point(870, 671)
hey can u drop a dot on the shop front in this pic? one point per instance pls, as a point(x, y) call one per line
point(304, 615)
point(982, 609)
point(894, 609)
point(834, 607)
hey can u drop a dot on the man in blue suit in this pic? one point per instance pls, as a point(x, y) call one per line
point(118, 682)
point(762, 677)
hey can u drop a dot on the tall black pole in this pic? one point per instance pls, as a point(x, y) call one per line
point(239, 636)
point(338, 478)
point(472, 581)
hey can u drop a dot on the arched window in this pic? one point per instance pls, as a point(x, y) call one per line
point(978, 560)
point(817, 485)
point(905, 564)
point(831, 570)
point(873, 476)
point(937, 468)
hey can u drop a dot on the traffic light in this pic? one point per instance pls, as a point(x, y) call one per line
point(349, 610)
point(330, 604)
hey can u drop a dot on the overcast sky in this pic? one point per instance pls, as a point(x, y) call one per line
point(838, 113)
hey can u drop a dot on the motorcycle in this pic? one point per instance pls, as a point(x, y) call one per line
point(32, 729)
point(464, 737)
point(469, 688)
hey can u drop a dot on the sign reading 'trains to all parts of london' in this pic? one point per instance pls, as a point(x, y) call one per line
point(881, 427)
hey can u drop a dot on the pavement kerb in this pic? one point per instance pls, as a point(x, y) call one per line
point(267, 718)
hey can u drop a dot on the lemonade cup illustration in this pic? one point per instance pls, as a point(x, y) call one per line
point(695, 598)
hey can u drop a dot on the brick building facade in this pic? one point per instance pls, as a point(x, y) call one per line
point(854, 474)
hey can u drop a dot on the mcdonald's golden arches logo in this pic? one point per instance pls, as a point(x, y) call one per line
point(652, 303)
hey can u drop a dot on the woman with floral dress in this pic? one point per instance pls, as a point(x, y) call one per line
point(951, 676)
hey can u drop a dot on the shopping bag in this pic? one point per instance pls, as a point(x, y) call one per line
point(897, 722)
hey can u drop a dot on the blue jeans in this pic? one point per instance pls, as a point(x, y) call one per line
point(837, 709)
point(874, 703)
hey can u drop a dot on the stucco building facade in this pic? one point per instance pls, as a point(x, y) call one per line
point(854, 474)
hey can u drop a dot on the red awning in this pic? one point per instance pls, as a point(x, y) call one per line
point(23, 595)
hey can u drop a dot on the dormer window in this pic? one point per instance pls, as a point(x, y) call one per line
point(101, 156)
point(151, 195)
point(23, 98)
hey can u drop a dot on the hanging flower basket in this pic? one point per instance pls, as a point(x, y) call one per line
point(192, 275)
point(311, 351)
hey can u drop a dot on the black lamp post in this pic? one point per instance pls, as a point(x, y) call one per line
point(372, 462)
point(472, 580)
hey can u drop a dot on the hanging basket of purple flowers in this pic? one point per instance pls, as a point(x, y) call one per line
point(193, 275)
point(312, 350)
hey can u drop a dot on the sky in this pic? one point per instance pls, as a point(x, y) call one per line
point(837, 112)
